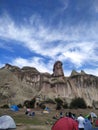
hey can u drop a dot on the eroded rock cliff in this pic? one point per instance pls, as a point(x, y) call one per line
point(18, 85)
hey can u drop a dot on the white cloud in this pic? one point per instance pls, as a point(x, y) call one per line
point(27, 33)
point(64, 43)
point(1, 65)
point(95, 5)
point(35, 62)
point(64, 4)
point(92, 71)
point(79, 53)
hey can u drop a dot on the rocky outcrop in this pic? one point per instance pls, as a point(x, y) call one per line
point(57, 69)
point(20, 84)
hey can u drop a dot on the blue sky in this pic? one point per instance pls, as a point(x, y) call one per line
point(37, 33)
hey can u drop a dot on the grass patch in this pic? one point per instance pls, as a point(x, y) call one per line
point(39, 121)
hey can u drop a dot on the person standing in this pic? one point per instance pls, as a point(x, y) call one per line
point(88, 123)
point(81, 122)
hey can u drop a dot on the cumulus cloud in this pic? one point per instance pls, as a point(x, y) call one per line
point(36, 62)
point(93, 71)
point(73, 44)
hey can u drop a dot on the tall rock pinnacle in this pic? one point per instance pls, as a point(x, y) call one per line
point(57, 69)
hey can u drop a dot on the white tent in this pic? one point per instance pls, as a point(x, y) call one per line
point(7, 122)
point(93, 115)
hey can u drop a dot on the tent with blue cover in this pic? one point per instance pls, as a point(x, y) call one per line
point(46, 110)
point(14, 108)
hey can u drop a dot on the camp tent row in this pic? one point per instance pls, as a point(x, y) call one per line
point(63, 124)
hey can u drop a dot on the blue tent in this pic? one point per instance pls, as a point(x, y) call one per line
point(14, 108)
point(47, 109)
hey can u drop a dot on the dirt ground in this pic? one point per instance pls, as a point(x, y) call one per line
point(41, 121)
point(32, 127)
point(24, 122)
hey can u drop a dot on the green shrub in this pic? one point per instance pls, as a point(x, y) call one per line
point(5, 106)
point(20, 106)
point(58, 107)
point(30, 104)
point(59, 103)
point(78, 103)
point(42, 106)
point(27, 103)
point(65, 105)
point(50, 101)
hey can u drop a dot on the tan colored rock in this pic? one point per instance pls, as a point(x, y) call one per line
point(57, 69)
point(18, 85)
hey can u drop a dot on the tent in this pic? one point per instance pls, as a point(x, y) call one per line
point(96, 122)
point(7, 122)
point(46, 110)
point(87, 116)
point(14, 108)
point(87, 124)
point(93, 115)
point(65, 123)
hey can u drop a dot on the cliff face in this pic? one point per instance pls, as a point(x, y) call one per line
point(18, 85)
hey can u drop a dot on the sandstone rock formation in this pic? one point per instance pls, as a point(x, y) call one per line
point(57, 69)
point(20, 84)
